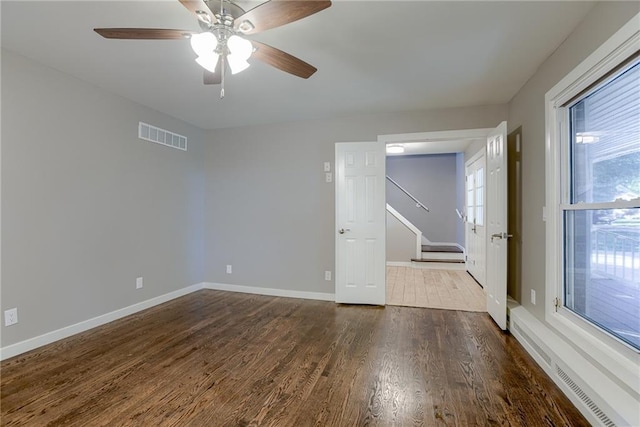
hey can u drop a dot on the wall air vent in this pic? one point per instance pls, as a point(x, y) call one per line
point(161, 136)
point(606, 421)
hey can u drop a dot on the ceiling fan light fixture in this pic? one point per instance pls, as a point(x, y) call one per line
point(242, 48)
point(395, 149)
point(204, 43)
point(237, 64)
point(208, 62)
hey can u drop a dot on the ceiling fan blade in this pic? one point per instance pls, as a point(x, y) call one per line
point(275, 13)
point(143, 33)
point(282, 60)
point(213, 78)
point(199, 8)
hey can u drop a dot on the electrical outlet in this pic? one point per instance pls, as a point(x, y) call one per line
point(229, 269)
point(327, 275)
point(533, 297)
point(328, 177)
point(11, 316)
point(139, 283)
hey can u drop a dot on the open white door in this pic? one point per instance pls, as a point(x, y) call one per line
point(475, 221)
point(360, 223)
point(496, 271)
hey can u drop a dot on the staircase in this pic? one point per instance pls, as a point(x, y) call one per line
point(434, 253)
point(429, 254)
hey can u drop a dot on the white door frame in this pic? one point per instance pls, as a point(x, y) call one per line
point(442, 142)
point(445, 136)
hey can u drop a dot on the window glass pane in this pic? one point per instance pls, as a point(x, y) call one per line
point(479, 206)
point(479, 177)
point(605, 141)
point(602, 269)
point(470, 201)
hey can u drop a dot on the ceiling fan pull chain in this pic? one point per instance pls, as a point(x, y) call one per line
point(222, 69)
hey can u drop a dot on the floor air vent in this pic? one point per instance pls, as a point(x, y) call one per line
point(606, 421)
point(161, 136)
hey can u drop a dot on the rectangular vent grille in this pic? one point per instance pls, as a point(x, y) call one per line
point(532, 343)
point(161, 136)
point(606, 421)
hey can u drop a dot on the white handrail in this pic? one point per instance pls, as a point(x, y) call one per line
point(419, 204)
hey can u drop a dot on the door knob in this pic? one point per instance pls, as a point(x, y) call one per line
point(343, 230)
point(501, 236)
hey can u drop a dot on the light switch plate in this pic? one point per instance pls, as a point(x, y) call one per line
point(327, 166)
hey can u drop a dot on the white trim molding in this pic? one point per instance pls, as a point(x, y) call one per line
point(606, 368)
point(273, 292)
point(53, 336)
point(411, 228)
point(67, 331)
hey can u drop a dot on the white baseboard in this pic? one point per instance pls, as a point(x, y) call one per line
point(399, 264)
point(53, 336)
point(600, 399)
point(271, 291)
point(429, 265)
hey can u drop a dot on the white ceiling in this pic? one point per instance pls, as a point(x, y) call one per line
point(372, 56)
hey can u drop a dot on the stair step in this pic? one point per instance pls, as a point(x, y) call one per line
point(443, 255)
point(439, 248)
point(452, 261)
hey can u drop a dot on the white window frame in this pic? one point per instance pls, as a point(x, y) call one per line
point(620, 359)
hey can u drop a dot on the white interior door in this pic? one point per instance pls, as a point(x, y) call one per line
point(475, 218)
point(360, 223)
point(496, 284)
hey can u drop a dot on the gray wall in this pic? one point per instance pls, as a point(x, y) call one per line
point(527, 109)
point(432, 179)
point(269, 212)
point(87, 206)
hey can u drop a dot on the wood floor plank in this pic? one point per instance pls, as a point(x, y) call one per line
point(215, 358)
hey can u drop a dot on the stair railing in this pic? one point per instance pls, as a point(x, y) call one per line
point(419, 204)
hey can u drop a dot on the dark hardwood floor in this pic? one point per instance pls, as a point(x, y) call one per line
point(214, 358)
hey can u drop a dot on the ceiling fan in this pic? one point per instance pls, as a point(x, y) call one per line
point(221, 42)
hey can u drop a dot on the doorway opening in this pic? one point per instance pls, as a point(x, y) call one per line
point(427, 188)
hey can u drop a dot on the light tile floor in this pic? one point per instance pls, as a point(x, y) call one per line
point(431, 288)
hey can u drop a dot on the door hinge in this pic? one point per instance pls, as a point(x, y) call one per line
point(556, 303)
